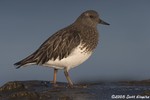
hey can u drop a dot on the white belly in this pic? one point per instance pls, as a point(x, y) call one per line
point(77, 57)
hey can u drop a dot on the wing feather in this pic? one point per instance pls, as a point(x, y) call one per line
point(58, 46)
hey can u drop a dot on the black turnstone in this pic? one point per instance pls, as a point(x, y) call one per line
point(68, 47)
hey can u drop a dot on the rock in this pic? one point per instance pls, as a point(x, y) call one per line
point(142, 82)
point(41, 90)
point(44, 90)
point(26, 95)
point(11, 86)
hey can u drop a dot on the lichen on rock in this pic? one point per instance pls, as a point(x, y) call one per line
point(10, 86)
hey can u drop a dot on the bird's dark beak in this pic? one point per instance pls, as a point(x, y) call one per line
point(103, 22)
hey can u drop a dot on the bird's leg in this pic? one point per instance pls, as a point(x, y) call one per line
point(68, 77)
point(55, 76)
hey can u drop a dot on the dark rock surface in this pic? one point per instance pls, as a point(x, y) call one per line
point(44, 90)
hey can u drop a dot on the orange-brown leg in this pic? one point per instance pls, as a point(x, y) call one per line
point(68, 78)
point(55, 76)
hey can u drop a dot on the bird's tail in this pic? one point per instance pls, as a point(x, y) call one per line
point(27, 61)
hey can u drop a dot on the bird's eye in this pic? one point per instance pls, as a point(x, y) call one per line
point(91, 16)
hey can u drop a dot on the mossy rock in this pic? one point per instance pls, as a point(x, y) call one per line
point(24, 95)
point(11, 86)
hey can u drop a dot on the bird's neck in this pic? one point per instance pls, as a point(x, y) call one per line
point(84, 26)
point(89, 35)
point(80, 22)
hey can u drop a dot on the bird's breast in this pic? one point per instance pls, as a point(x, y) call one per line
point(90, 38)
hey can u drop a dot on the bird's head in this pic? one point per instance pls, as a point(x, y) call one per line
point(90, 18)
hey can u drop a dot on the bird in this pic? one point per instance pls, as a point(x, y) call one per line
point(68, 47)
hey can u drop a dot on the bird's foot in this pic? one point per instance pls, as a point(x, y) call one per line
point(70, 86)
point(58, 86)
point(77, 86)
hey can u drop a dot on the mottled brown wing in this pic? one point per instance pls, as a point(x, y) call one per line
point(59, 45)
